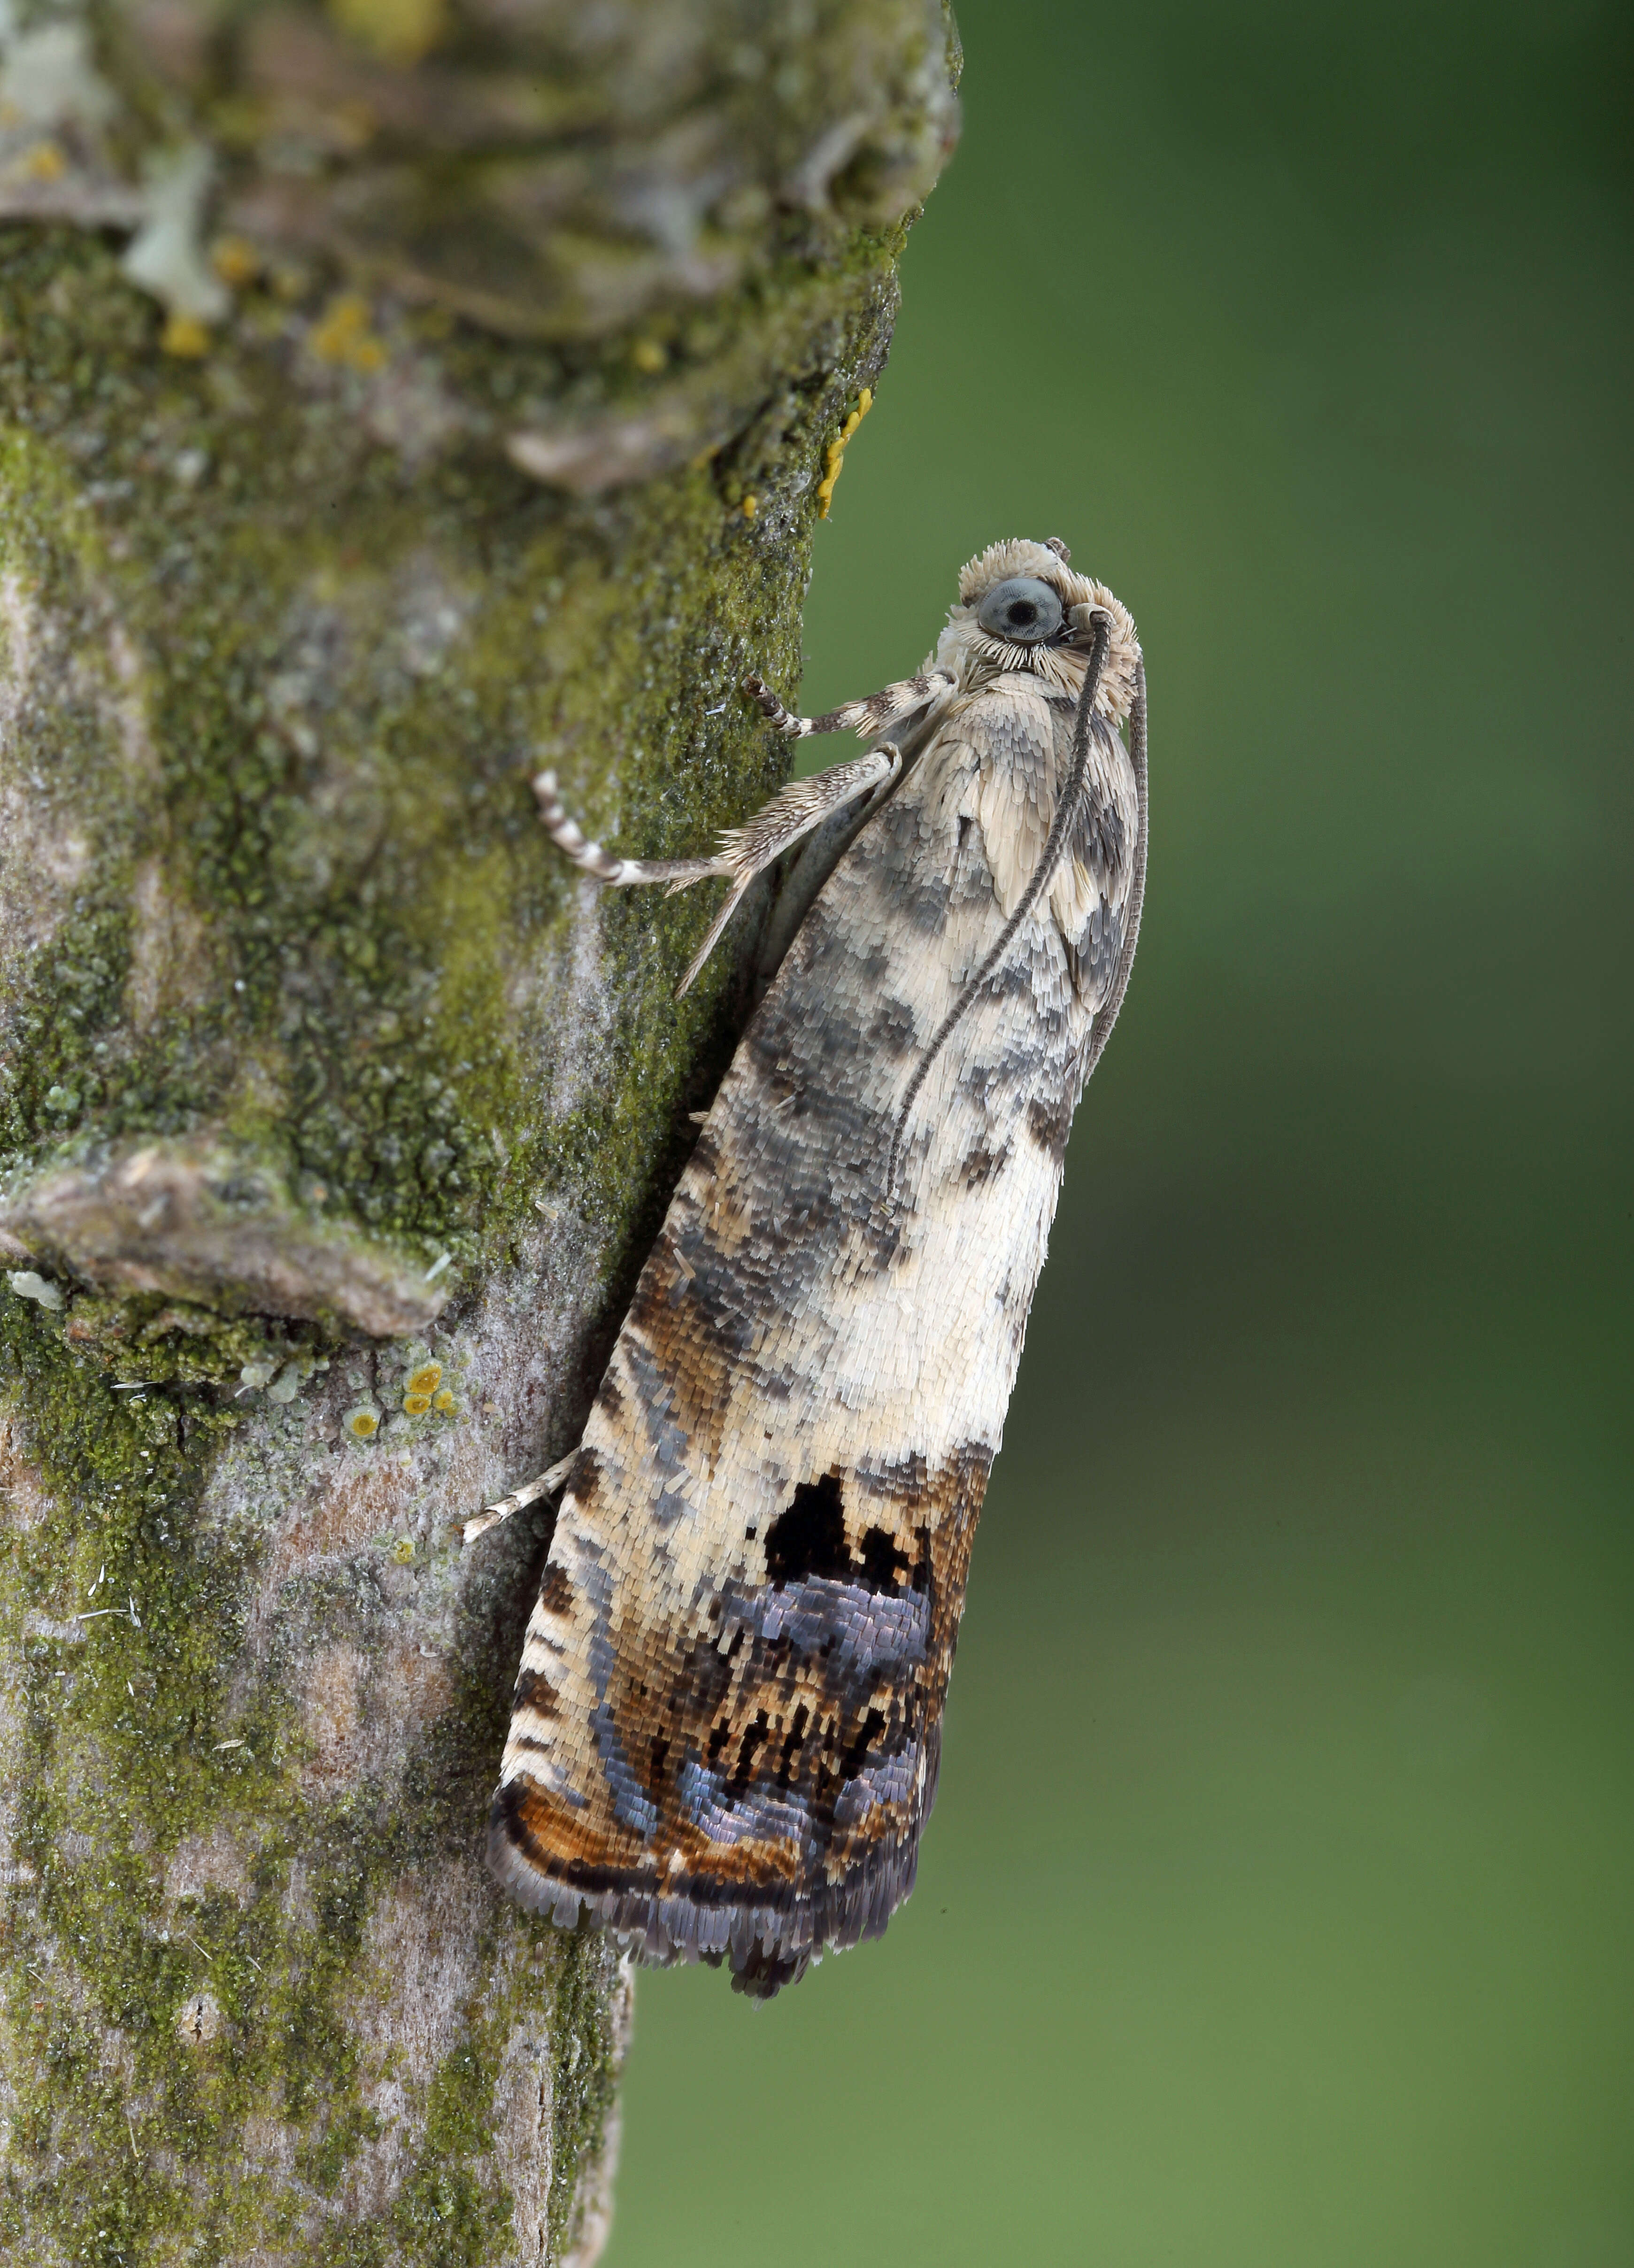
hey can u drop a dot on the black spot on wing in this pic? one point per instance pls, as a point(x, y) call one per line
point(808, 1542)
point(882, 1559)
point(809, 1537)
point(868, 1732)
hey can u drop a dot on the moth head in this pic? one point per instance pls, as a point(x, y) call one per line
point(1015, 612)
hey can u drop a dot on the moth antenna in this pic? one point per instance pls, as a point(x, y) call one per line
point(1060, 829)
point(801, 807)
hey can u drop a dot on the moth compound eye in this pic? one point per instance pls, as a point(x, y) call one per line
point(1023, 610)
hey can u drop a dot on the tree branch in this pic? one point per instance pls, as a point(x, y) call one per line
point(394, 398)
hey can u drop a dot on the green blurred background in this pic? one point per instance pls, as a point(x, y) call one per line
point(1276, 1908)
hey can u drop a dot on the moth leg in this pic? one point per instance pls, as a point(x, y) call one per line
point(492, 1514)
point(745, 851)
point(615, 874)
point(865, 717)
point(791, 814)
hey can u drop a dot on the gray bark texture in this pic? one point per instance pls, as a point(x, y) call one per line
point(394, 396)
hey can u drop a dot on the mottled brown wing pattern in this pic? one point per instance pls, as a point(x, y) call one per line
point(727, 1723)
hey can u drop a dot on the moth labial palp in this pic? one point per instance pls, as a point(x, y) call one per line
point(728, 1719)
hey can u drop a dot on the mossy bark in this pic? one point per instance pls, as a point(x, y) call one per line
point(465, 408)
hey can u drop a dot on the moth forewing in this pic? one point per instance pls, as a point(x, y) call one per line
point(728, 1718)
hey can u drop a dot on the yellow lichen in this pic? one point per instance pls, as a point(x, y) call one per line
point(751, 505)
point(185, 336)
point(443, 1401)
point(834, 455)
point(650, 355)
point(417, 1404)
point(424, 1378)
point(362, 1422)
point(342, 335)
point(235, 259)
point(401, 1553)
point(397, 31)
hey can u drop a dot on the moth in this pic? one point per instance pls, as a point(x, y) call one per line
point(728, 1719)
